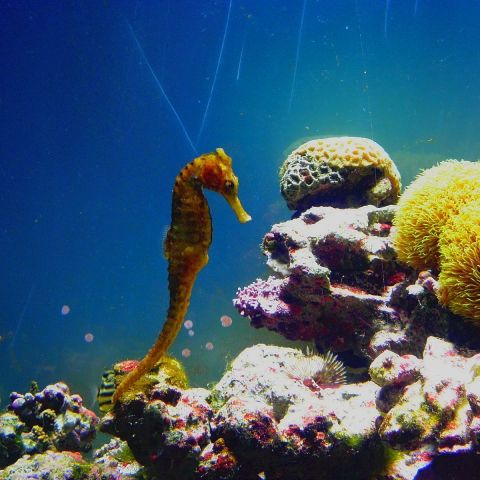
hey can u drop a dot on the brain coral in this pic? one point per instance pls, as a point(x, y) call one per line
point(459, 279)
point(429, 202)
point(339, 171)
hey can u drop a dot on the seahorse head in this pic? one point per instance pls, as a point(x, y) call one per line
point(217, 175)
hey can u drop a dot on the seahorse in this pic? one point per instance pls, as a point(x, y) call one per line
point(186, 245)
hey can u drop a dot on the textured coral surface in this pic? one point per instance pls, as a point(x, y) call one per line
point(459, 279)
point(431, 405)
point(52, 419)
point(46, 466)
point(417, 418)
point(113, 461)
point(339, 171)
point(434, 197)
point(260, 419)
point(338, 284)
point(437, 228)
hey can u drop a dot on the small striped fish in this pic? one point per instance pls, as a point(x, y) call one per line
point(106, 390)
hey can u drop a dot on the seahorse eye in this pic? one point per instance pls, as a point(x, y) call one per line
point(228, 186)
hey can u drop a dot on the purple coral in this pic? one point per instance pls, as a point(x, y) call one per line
point(50, 419)
point(338, 284)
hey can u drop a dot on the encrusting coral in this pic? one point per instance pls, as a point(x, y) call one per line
point(52, 419)
point(167, 370)
point(339, 171)
point(337, 283)
point(186, 245)
point(415, 411)
point(113, 461)
point(49, 465)
point(258, 418)
point(426, 206)
point(431, 406)
point(459, 279)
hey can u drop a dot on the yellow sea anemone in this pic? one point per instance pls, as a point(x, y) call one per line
point(459, 279)
point(434, 197)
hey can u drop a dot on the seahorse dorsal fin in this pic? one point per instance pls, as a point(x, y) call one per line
point(165, 230)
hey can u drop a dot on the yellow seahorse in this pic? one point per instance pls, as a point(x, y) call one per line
point(186, 245)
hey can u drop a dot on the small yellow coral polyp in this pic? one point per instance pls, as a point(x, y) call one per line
point(459, 279)
point(428, 203)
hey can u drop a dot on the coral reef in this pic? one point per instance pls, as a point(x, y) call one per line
point(48, 465)
point(52, 419)
point(339, 171)
point(417, 418)
point(113, 461)
point(278, 413)
point(434, 197)
point(258, 420)
point(166, 429)
point(338, 283)
point(431, 406)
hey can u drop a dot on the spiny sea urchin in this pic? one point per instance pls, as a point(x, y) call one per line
point(317, 371)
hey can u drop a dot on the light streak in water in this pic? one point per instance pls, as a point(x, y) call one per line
point(385, 22)
point(297, 56)
point(219, 61)
point(240, 62)
point(22, 315)
point(162, 90)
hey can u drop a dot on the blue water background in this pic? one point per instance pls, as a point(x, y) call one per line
point(90, 148)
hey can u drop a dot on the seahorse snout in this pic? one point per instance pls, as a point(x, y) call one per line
point(237, 208)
